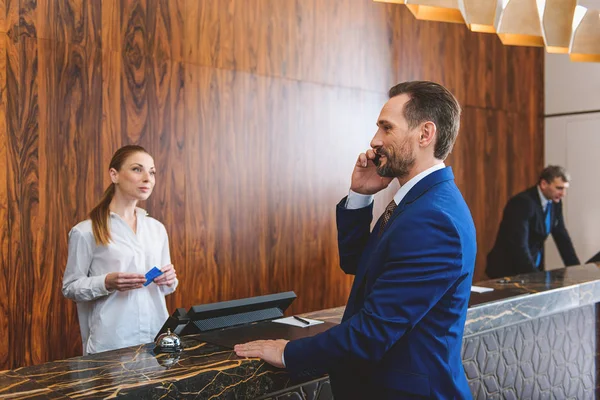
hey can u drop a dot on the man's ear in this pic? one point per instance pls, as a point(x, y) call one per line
point(427, 134)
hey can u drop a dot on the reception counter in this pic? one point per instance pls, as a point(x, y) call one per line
point(533, 336)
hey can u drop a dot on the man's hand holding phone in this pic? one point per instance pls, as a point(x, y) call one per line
point(365, 179)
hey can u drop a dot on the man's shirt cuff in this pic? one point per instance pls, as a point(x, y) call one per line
point(357, 200)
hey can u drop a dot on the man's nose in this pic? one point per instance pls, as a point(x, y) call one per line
point(375, 142)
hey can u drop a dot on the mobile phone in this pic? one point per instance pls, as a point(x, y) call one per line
point(376, 160)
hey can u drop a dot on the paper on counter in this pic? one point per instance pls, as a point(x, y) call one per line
point(294, 322)
point(481, 289)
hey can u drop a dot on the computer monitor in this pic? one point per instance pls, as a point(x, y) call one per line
point(226, 314)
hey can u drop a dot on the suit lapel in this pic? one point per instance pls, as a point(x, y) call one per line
point(436, 177)
point(424, 185)
point(540, 221)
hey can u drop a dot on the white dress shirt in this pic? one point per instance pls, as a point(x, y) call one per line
point(357, 200)
point(543, 200)
point(111, 320)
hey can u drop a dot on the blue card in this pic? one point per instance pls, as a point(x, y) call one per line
point(150, 275)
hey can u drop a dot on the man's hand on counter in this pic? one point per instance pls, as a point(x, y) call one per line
point(269, 350)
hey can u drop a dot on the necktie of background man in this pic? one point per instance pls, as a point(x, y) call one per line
point(548, 221)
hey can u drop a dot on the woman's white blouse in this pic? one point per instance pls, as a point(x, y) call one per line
point(112, 320)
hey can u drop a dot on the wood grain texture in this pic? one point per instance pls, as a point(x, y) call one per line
point(306, 40)
point(70, 124)
point(262, 199)
point(254, 112)
point(141, 28)
point(23, 194)
point(5, 228)
point(73, 21)
point(9, 18)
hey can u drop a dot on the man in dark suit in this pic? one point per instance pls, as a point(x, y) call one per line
point(528, 219)
point(401, 333)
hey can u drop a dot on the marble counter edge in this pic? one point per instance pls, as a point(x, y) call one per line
point(487, 316)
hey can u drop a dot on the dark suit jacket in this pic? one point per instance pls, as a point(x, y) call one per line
point(401, 334)
point(522, 234)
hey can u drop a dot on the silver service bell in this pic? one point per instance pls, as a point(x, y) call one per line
point(168, 343)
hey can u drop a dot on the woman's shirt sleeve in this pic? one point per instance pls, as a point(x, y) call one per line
point(77, 284)
point(166, 260)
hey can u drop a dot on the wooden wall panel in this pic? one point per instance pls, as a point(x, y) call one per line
point(262, 200)
point(9, 17)
point(428, 50)
point(3, 16)
point(141, 28)
point(4, 228)
point(70, 82)
point(255, 112)
point(73, 21)
point(22, 189)
point(305, 40)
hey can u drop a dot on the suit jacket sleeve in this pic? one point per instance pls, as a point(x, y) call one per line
point(563, 240)
point(420, 267)
point(519, 211)
point(353, 234)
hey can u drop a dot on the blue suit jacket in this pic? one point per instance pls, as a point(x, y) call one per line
point(401, 334)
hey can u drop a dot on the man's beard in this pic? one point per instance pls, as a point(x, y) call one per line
point(398, 162)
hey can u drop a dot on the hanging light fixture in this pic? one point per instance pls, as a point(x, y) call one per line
point(556, 19)
point(435, 10)
point(478, 14)
point(563, 26)
point(585, 34)
point(517, 23)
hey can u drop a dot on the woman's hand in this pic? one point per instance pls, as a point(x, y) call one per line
point(168, 277)
point(123, 281)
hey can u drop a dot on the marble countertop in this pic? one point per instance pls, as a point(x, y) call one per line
point(207, 371)
point(201, 370)
point(520, 297)
point(529, 296)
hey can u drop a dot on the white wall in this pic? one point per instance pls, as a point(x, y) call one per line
point(570, 86)
point(573, 141)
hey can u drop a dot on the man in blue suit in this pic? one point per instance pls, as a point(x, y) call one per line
point(401, 334)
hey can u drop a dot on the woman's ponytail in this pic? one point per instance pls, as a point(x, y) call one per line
point(99, 216)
